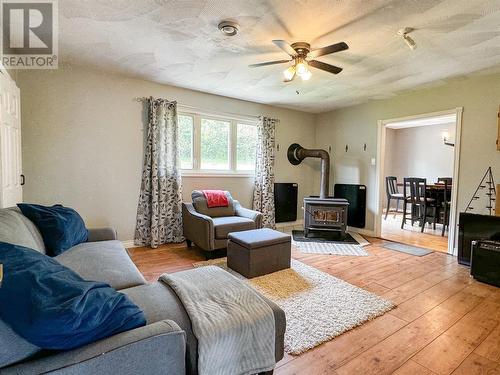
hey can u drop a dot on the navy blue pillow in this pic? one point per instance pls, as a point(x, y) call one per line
point(52, 307)
point(61, 227)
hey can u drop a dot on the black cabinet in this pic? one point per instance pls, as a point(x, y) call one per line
point(356, 196)
point(285, 202)
point(473, 227)
point(485, 262)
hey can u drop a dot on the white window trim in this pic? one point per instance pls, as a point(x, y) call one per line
point(196, 151)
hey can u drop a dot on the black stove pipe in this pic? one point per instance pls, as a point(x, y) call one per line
point(296, 153)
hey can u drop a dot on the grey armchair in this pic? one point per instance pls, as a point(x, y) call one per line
point(209, 228)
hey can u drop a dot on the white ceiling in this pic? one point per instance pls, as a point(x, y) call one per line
point(178, 43)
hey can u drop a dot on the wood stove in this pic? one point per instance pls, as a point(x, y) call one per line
point(323, 213)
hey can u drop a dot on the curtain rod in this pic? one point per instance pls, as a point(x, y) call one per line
point(206, 111)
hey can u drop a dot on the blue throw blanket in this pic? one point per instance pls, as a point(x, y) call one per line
point(54, 308)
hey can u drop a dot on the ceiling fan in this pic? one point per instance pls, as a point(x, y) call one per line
point(302, 58)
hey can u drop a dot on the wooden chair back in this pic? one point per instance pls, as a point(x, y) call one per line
point(417, 187)
point(447, 181)
point(391, 185)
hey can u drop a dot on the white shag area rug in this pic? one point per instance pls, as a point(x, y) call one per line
point(331, 248)
point(317, 306)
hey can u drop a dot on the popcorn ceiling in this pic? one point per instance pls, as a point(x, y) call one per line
point(178, 43)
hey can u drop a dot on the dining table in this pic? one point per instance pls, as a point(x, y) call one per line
point(436, 186)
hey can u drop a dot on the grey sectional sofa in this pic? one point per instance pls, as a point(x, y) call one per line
point(166, 345)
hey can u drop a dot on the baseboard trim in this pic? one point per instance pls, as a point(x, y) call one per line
point(362, 231)
point(290, 223)
point(129, 244)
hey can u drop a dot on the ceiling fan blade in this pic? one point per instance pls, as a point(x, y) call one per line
point(285, 47)
point(326, 67)
point(269, 63)
point(327, 50)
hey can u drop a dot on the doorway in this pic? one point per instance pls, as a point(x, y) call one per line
point(425, 146)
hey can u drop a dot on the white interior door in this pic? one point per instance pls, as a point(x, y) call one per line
point(10, 143)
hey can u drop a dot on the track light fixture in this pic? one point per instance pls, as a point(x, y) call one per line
point(408, 40)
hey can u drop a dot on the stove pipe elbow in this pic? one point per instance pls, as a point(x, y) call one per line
point(296, 153)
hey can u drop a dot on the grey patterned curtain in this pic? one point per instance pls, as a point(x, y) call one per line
point(159, 213)
point(263, 195)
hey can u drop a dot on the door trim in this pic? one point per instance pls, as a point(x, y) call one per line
point(381, 139)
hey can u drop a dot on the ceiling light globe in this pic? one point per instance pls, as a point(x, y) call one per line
point(289, 73)
point(301, 67)
point(306, 76)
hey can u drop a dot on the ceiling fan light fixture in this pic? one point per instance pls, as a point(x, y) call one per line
point(301, 66)
point(306, 76)
point(302, 58)
point(289, 73)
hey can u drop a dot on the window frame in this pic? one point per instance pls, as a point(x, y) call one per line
point(232, 145)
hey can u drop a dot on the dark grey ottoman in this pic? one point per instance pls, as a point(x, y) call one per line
point(258, 252)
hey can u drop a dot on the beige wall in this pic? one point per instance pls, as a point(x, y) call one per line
point(83, 142)
point(83, 134)
point(419, 152)
point(478, 95)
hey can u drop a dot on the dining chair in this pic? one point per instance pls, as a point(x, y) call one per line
point(447, 181)
point(391, 189)
point(419, 202)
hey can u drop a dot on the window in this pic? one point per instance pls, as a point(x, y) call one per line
point(185, 124)
point(246, 143)
point(213, 144)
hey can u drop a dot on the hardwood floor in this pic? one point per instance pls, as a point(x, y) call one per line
point(411, 235)
point(445, 322)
